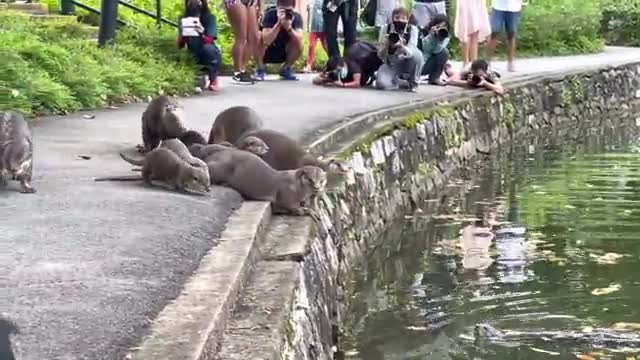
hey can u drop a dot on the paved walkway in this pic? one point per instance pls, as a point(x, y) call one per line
point(85, 266)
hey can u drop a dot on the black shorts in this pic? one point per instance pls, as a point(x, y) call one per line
point(275, 54)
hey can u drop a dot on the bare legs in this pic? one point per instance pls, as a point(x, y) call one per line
point(470, 49)
point(244, 24)
point(511, 49)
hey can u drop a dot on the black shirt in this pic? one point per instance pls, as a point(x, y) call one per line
point(270, 20)
point(361, 58)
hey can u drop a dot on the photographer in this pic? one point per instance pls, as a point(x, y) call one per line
point(199, 37)
point(400, 54)
point(434, 49)
point(357, 69)
point(478, 77)
point(282, 41)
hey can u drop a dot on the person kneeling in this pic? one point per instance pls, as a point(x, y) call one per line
point(434, 49)
point(198, 31)
point(281, 39)
point(358, 68)
point(478, 77)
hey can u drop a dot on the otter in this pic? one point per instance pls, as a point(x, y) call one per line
point(165, 165)
point(254, 179)
point(286, 154)
point(192, 137)
point(231, 123)
point(250, 144)
point(7, 328)
point(16, 151)
point(163, 119)
point(181, 150)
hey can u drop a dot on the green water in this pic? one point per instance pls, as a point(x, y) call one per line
point(420, 294)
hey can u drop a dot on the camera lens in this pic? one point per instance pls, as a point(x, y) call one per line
point(394, 38)
point(443, 33)
point(476, 79)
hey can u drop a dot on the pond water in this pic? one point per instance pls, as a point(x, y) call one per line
point(539, 246)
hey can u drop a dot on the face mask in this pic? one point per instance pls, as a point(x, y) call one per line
point(399, 25)
point(344, 72)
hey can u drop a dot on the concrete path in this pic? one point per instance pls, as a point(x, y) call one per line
point(85, 266)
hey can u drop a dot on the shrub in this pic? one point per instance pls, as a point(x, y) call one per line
point(51, 67)
point(621, 22)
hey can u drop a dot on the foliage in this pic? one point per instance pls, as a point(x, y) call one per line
point(621, 22)
point(51, 67)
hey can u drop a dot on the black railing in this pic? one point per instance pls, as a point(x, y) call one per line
point(109, 15)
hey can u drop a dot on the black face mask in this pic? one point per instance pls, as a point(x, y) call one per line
point(399, 25)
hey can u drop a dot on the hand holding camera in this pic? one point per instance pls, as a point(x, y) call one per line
point(440, 31)
point(476, 80)
point(285, 18)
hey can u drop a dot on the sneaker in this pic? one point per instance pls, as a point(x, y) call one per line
point(243, 78)
point(261, 74)
point(307, 69)
point(287, 74)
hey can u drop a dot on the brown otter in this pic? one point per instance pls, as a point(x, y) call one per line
point(254, 179)
point(163, 119)
point(231, 123)
point(7, 328)
point(192, 137)
point(164, 165)
point(16, 151)
point(286, 154)
point(250, 144)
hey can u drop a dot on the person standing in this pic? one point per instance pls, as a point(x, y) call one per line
point(316, 32)
point(471, 27)
point(505, 15)
point(425, 10)
point(332, 11)
point(243, 17)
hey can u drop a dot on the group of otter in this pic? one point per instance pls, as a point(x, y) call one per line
point(260, 164)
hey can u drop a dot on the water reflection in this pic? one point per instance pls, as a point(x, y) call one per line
point(541, 246)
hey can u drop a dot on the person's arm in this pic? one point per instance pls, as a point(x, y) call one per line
point(459, 79)
point(271, 26)
point(496, 86)
point(296, 27)
point(320, 79)
point(355, 83)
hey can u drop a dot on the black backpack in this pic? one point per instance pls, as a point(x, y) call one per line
point(368, 15)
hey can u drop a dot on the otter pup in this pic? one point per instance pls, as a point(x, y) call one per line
point(165, 165)
point(250, 144)
point(181, 150)
point(286, 154)
point(163, 119)
point(231, 123)
point(192, 137)
point(7, 328)
point(254, 179)
point(16, 151)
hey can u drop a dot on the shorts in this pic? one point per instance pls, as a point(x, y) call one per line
point(248, 3)
point(275, 54)
point(504, 21)
point(424, 12)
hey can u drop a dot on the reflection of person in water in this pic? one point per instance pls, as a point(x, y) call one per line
point(476, 241)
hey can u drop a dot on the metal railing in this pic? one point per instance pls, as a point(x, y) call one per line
point(109, 16)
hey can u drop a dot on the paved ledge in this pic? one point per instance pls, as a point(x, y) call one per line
point(88, 266)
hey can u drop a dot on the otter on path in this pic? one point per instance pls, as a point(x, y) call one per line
point(250, 144)
point(256, 180)
point(164, 165)
point(231, 123)
point(286, 154)
point(192, 137)
point(7, 328)
point(163, 119)
point(16, 151)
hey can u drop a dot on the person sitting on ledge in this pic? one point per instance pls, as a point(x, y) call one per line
point(198, 30)
point(478, 77)
point(281, 39)
point(358, 68)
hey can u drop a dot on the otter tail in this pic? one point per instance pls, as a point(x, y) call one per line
point(119, 178)
point(132, 161)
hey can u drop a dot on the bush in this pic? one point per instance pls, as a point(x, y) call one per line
point(51, 67)
point(621, 22)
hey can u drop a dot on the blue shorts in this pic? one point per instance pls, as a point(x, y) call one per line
point(504, 21)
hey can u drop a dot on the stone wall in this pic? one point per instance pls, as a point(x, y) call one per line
point(407, 160)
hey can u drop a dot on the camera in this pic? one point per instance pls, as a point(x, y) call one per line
point(442, 33)
point(394, 38)
point(476, 79)
point(332, 76)
point(288, 14)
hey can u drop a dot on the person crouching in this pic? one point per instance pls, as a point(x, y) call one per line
point(358, 68)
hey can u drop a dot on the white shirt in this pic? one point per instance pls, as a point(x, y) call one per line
point(508, 5)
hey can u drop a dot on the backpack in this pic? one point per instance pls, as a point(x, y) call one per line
point(368, 15)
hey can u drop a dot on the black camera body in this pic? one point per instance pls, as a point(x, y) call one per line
point(476, 79)
point(288, 14)
point(393, 38)
point(332, 76)
point(442, 33)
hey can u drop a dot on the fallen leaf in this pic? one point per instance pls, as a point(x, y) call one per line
point(608, 290)
point(89, 116)
point(626, 326)
point(585, 357)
